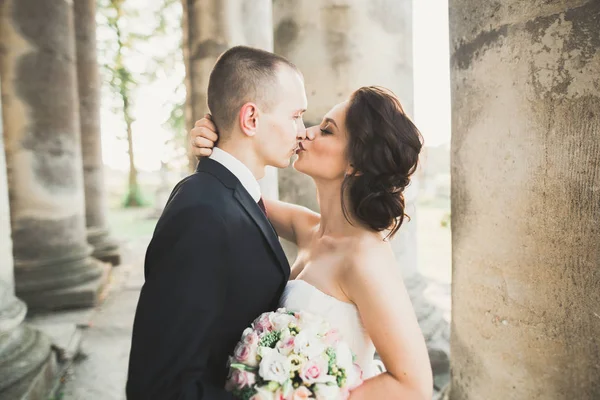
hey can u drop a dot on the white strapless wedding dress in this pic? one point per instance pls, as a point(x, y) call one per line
point(300, 295)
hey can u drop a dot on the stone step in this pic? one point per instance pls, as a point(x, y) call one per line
point(65, 331)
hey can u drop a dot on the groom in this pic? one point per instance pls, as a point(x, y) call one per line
point(214, 263)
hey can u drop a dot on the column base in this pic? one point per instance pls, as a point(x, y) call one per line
point(106, 249)
point(27, 363)
point(85, 294)
point(38, 383)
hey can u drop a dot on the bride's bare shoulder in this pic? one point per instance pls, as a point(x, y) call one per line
point(370, 254)
point(371, 268)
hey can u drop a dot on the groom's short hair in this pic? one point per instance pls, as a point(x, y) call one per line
point(243, 74)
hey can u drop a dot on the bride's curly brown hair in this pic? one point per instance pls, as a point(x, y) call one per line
point(383, 149)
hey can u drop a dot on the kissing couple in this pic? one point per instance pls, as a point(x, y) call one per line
point(215, 262)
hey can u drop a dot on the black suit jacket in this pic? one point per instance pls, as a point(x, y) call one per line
point(213, 265)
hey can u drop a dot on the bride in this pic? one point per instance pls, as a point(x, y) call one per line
point(361, 158)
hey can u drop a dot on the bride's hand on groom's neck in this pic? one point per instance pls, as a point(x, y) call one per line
point(203, 137)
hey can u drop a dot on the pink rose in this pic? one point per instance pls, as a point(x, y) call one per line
point(246, 354)
point(251, 339)
point(263, 324)
point(286, 346)
point(302, 393)
point(315, 371)
point(241, 379)
point(242, 352)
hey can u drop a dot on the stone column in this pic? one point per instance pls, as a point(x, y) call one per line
point(24, 352)
point(105, 248)
point(27, 363)
point(525, 200)
point(53, 268)
point(6, 257)
point(210, 28)
point(332, 43)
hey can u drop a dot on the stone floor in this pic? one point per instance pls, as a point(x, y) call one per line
point(99, 373)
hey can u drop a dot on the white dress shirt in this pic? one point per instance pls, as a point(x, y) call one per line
point(237, 168)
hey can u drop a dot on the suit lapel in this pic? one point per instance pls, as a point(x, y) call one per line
point(265, 226)
point(243, 197)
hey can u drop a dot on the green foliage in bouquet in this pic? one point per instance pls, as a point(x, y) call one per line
point(332, 359)
point(246, 393)
point(270, 339)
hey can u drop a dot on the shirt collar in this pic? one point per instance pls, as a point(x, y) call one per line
point(237, 168)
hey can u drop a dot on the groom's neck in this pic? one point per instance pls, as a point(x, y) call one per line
point(244, 153)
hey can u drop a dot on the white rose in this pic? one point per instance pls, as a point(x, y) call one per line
point(273, 366)
point(327, 392)
point(308, 344)
point(295, 362)
point(281, 321)
point(286, 345)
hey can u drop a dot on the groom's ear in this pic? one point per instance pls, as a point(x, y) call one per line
point(249, 119)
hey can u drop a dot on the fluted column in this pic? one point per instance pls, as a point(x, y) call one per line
point(89, 88)
point(53, 267)
point(525, 200)
point(210, 28)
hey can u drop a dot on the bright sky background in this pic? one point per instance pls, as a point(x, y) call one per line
point(431, 83)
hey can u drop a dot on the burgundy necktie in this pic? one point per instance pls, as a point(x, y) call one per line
point(261, 204)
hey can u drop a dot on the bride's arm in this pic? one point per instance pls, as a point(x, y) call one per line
point(374, 284)
point(290, 221)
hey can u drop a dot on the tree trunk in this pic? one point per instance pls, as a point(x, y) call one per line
point(133, 193)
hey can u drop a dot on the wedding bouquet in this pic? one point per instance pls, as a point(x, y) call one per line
point(291, 356)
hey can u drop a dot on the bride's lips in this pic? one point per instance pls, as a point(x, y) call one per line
point(300, 148)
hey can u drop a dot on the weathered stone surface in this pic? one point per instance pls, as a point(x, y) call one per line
point(6, 257)
point(89, 86)
point(332, 44)
point(23, 351)
point(90, 290)
point(105, 247)
point(525, 199)
point(43, 149)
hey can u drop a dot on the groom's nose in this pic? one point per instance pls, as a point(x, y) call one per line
point(306, 134)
